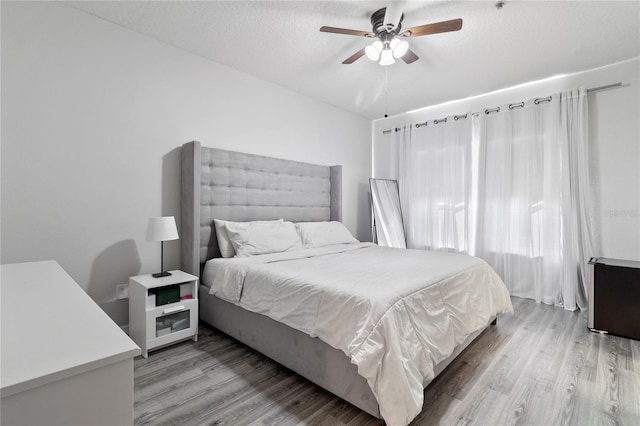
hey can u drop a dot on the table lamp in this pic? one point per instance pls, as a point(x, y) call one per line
point(161, 229)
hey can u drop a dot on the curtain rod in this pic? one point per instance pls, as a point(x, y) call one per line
point(511, 106)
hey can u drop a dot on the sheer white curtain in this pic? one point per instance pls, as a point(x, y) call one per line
point(580, 237)
point(519, 205)
point(434, 165)
point(511, 187)
point(533, 185)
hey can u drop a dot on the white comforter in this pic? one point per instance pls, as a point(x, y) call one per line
point(395, 312)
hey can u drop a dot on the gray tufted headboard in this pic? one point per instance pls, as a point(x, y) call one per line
point(228, 185)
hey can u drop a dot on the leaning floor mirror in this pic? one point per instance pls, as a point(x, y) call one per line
point(387, 227)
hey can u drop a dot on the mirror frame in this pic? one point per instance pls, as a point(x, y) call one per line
point(387, 227)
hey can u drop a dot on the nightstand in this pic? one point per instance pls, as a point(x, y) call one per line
point(163, 310)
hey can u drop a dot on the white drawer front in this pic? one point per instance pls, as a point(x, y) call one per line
point(168, 323)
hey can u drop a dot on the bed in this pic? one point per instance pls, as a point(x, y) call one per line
point(232, 186)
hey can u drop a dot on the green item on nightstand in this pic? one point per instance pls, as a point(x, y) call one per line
point(166, 295)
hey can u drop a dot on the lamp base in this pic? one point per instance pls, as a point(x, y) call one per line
point(161, 274)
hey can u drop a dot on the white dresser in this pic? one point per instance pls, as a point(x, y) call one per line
point(64, 361)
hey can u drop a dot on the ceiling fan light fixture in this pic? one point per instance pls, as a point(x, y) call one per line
point(386, 57)
point(399, 47)
point(373, 51)
point(386, 25)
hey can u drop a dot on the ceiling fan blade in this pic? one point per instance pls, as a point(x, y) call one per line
point(351, 59)
point(438, 27)
point(393, 13)
point(347, 32)
point(410, 57)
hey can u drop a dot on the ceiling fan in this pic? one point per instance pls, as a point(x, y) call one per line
point(387, 28)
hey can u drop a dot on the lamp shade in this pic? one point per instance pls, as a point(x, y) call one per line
point(162, 229)
point(373, 51)
point(399, 47)
point(386, 57)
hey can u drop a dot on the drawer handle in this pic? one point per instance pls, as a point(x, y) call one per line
point(174, 309)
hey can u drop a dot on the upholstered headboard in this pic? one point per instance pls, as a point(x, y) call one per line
point(228, 185)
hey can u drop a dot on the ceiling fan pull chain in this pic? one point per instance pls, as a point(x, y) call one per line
point(386, 92)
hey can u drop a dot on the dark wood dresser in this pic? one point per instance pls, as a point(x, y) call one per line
point(614, 297)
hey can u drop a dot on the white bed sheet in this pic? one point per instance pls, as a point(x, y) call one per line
point(394, 312)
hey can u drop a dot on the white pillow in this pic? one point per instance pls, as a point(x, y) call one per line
point(224, 243)
point(320, 234)
point(262, 237)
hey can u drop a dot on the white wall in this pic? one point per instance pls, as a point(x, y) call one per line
point(93, 117)
point(614, 130)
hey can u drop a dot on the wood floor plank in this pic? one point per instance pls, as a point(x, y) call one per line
point(239, 395)
point(551, 354)
point(540, 366)
point(335, 413)
point(523, 338)
point(630, 392)
point(592, 359)
point(307, 400)
point(635, 354)
point(168, 386)
point(520, 403)
point(477, 408)
point(260, 402)
point(610, 381)
point(565, 393)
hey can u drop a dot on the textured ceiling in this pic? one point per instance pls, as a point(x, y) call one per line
point(280, 41)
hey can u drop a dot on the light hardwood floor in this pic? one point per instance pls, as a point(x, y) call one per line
point(540, 366)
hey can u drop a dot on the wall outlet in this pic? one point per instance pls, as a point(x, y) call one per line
point(122, 291)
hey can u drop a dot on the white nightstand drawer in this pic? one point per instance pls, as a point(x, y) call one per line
point(171, 337)
point(168, 320)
